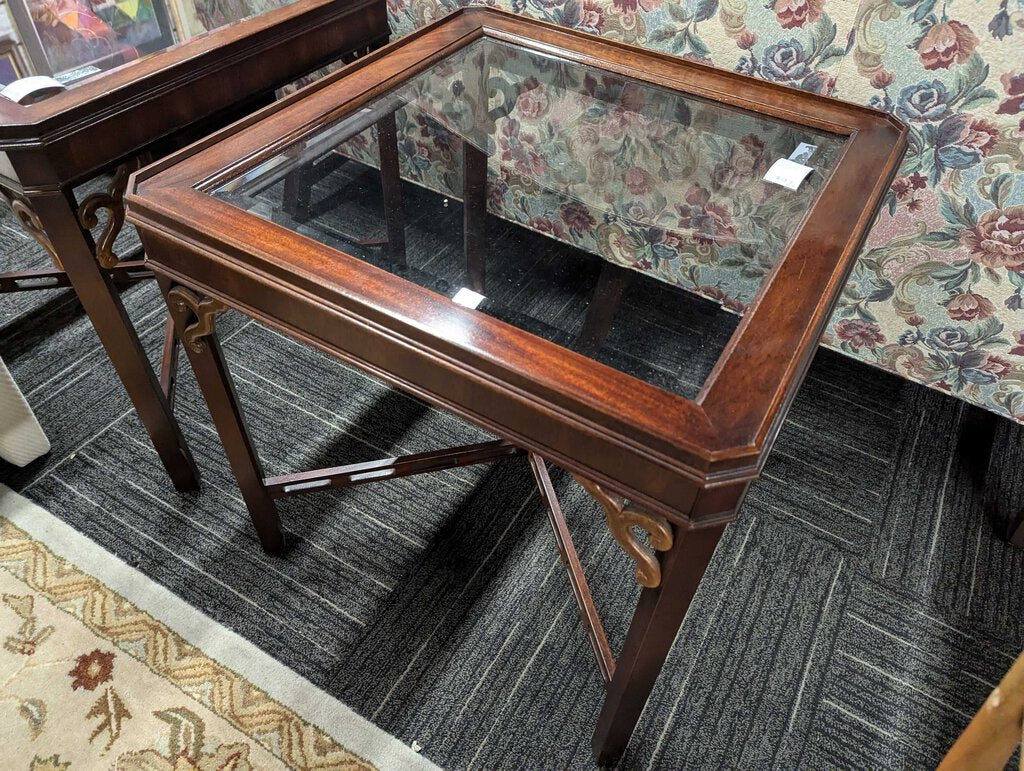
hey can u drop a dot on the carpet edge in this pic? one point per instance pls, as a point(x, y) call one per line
point(281, 683)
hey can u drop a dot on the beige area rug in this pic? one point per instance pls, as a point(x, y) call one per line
point(100, 667)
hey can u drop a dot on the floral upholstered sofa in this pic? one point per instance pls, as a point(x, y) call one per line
point(936, 295)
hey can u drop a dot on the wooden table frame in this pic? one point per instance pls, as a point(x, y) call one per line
point(115, 121)
point(674, 467)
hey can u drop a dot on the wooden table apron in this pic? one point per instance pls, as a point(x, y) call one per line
point(676, 468)
point(137, 111)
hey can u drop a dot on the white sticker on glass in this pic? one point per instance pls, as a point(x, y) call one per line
point(787, 173)
point(468, 298)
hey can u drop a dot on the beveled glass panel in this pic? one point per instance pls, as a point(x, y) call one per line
point(625, 221)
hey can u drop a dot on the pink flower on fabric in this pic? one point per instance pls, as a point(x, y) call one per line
point(797, 13)
point(970, 306)
point(945, 43)
point(860, 334)
point(997, 241)
point(638, 181)
point(1013, 84)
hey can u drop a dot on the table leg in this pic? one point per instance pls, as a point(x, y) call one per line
point(659, 614)
point(391, 183)
point(57, 228)
point(612, 283)
point(298, 187)
point(194, 321)
point(975, 448)
point(474, 213)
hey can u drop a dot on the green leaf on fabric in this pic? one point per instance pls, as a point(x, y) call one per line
point(677, 12)
point(954, 212)
point(923, 9)
point(823, 33)
point(705, 10)
point(978, 96)
point(697, 45)
point(882, 292)
point(970, 214)
point(1015, 403)
point(661, 35)
point(968, 79)
point(830, 54)
point(1001, 190)
point(864, 313)
point(987, 329)
point(940, 238)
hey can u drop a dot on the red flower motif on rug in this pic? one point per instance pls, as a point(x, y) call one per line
point(91, 670)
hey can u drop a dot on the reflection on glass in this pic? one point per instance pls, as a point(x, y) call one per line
point(627, 222)
point(73, 39)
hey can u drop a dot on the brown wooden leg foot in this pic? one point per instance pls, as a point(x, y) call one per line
point(58, 229)
point(658, 615)
point(194, 323)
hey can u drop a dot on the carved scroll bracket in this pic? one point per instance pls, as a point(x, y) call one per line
point(622, 518)
point(203, 309)
point(31, 224)
point(113, 201)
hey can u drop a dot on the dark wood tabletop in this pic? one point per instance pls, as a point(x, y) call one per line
point(113, 113)
point(718, 437)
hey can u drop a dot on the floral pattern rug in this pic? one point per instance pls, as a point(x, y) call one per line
point(936, 295)
point(88, 680)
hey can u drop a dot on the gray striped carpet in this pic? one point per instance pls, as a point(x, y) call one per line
point(854, 617)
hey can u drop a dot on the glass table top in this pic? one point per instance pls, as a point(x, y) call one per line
point(72, 40)
point(628, 222)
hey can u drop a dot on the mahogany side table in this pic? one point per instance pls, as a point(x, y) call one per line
point(109, 122)
point(582, 325)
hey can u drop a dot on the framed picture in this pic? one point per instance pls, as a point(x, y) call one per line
point(77, 37)
point(11, 67)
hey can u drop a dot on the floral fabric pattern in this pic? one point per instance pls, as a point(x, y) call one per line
point(638, 175)
point(936, 295)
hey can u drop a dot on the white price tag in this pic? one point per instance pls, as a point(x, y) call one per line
point(72, 75)
point(787, 173)
point(30, 88)
point(467, 298)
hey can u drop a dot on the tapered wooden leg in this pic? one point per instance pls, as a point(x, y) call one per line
point(611, 285)
point(659, 613)
point(977, 435)
point(391, 183)
point(58, 229)
point(194, 322)
point(298, 187)
point(297, 197)
point(988, 742)
point(474, 213)
point(975, 447)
